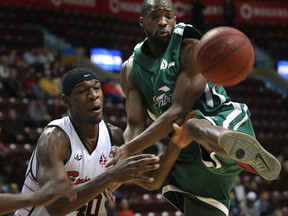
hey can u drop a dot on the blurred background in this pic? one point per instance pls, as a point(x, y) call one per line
point(41, 40)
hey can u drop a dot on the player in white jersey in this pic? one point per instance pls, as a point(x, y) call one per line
point(76, 148)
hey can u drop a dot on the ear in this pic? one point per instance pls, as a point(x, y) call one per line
point(141, 21)
point(65, 100)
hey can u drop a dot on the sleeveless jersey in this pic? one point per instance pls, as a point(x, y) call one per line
point(191, 174)
point(81, 167)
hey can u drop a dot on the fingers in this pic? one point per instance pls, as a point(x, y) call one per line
point(134, 168)
point(109, 195)
point(115, 157)
point(113, 151)
point(143, 159)
point(111, 163)
point(176, 127)
point(143, 163)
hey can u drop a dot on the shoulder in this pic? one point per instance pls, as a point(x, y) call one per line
point(126, 75)
point(117, 134)
point(54, 132)
point(53, 140)
point(190, 38)
point(127, 66)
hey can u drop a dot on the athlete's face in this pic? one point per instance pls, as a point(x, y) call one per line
point(159, 21)
point(85, 102)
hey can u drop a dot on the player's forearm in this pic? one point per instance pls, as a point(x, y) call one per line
point(11, 202)
point(158, 130)
point(166, 163)
point(85, 192)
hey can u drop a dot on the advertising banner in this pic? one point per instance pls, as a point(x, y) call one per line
point(247, 11)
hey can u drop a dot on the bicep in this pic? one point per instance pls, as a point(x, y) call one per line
point(190, 83)
point(135, 107)
point(52, 150)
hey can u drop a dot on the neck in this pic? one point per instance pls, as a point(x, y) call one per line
point(153, 49)
point(88, 133)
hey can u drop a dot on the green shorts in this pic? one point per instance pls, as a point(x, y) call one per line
point(207, 179)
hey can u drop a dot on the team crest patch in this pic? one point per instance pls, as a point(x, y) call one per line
point(103, 160)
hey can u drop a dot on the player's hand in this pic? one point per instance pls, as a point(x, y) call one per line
point(133, 168)
point(181, 136)
point(117, 153)
point(52, 191)
point(109, 195)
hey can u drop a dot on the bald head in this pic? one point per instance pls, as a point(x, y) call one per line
point(152, 5)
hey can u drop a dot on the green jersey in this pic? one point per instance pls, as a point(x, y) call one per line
point(205, 181)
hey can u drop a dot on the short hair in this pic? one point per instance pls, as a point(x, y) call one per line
point(147, 6)
point(75, 76)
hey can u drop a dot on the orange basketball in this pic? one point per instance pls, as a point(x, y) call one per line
point(225, 56)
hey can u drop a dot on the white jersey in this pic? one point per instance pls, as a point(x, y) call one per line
point(81, 167)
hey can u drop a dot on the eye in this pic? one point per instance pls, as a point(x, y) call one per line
point(96, 87)
point(170, 17)
point(155, 17)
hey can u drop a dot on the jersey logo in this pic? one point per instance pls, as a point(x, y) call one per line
point(163, 98)
point(74, 177)
point(165, 64)
point(103, 160)
point(77, 156)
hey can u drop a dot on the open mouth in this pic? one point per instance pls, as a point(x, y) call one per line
point(95, 108)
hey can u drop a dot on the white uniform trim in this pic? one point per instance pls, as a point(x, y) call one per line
point(206, 200)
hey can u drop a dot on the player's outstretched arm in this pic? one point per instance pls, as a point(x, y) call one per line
point(127, 170)
point(189, 87)
point(49, 193)
point(179, 140)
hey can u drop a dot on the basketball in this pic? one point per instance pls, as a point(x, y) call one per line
point(225, 56)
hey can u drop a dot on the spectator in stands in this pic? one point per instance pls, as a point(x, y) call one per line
point(4, 67)
point(252, 186)
point(14, 129)
point(55, 109)
point(229, 12)
point(112, 92)
point(31, 57)
point(13, 85)
point(56, 73)
point(111, 207)
point(124, 208)
point(14, 59)
point(239, 189)
point(30, 84)
point(235, 209)
point(29, 80)
point(37, 113)
point(249, 207)
point(264, 203)
point(48, 86)
point(278, 212)
point(46, 57)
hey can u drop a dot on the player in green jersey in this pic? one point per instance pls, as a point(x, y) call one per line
point(161, 79)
